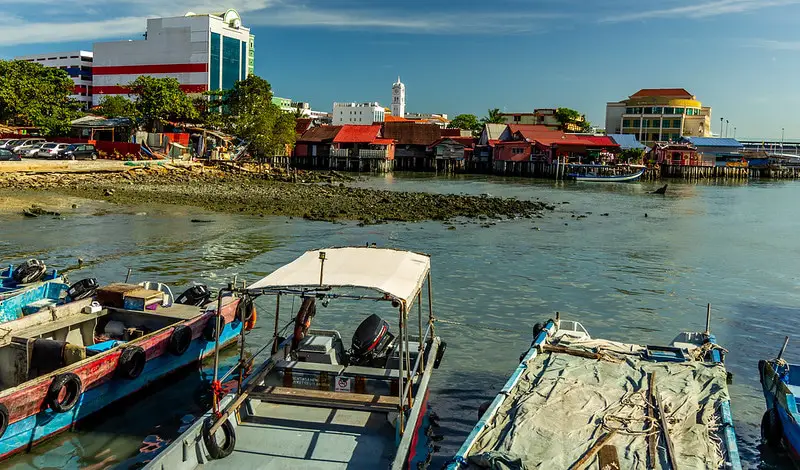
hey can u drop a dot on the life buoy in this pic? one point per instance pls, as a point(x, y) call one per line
point(251, 323)
point(4, 417)
point(245, 309)
point(82, 289)
point(180, 340)
point(210, 330)
point(71, 386)
point(303, 320)
point(29, 271)
point(215, 451)
point(131, 362)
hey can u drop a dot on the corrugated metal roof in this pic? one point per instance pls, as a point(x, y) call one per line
point(627, 141)
point(411, 133)
point(354, 134)
point(671, 92)
point(713, 142)
point(493, 131)
point(320, 134)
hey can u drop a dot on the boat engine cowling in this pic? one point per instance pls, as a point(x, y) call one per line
point(372, 343)
point(29, 271)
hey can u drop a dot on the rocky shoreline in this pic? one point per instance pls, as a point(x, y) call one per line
point(314, 196)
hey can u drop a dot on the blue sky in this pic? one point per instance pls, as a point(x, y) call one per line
point(464, 56)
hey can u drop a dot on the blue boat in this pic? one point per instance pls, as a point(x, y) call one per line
point(780, 382)
point(578, 402)
point(37, 290)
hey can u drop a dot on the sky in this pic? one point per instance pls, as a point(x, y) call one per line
point(466, 56)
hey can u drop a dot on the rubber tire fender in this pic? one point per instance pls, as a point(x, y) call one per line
point(4, 418)
point(131, 362)
point(214, 450)
point(210, 330)
point(180, 340)
point(772, 429)
point(73, 385)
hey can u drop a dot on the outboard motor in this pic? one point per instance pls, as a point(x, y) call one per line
point(29, 271)
point(83, 289)
point(198, 296)
point(372, 343)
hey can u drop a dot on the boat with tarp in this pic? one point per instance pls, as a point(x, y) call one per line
point(780, 382)
point(315, 403)
point(65, 363)
point(609, 173)
point(577, 402)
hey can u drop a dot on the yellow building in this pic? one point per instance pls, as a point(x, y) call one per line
point(658, 115)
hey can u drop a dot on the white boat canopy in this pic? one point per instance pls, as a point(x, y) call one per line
point(399, 274)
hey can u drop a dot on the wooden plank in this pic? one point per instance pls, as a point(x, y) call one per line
point(608, 458)
point(665, 429)
point(305, 397)
point(652, 438)
point(587, 457)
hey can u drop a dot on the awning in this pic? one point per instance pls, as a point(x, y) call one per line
point(400, 274)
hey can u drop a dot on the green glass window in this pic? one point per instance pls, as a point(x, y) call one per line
point(648, 110)
point(628, 110)
point(626, 123)
point(676, 124)
point(635, 123)
point(679, 110)
point(213, 66)
point(657, 110)
point(669, 110)
point(230, 62)
point(243, 55)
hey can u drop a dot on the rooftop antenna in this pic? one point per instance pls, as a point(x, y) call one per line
point(321, 265)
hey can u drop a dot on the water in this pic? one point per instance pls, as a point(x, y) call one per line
point(624, 276)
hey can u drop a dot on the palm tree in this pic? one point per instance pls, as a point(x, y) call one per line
point(494, 117)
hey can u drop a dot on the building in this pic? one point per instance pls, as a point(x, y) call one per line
point(543, 117)
point(523, 143)
point(628, 141)
point(203, 52)
point(716, 149)
point(673, 153)
point(659, 115)
point(78, 64)
point(363, 114)
point(429, 118)
point(347, 147)
point(399, 99)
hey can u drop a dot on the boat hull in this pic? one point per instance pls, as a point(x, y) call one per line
point(32, 421)
point(607, 179)
point(13, 305)
point(778, 397)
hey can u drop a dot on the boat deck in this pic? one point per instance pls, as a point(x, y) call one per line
point(282, 436)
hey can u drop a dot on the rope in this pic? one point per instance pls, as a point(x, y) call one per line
point(476, 326)
point(622, 418)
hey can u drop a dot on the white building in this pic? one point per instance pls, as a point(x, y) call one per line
point(203, 52)
point(78, 65)
point(398, 99)
point(357, 113)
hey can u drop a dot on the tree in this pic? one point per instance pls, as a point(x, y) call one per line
point(468, 122)
point(114, 106)
point(631, 156)
point(161, 99)
point(569, 118)
point(494, 117)
point(34, 95)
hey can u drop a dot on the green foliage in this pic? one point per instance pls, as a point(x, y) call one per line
point(631, 156)
point(494, 116)
point(159, 100)
point(567, 115)
point(116, 106)
point(467, 122)
point(34, 95)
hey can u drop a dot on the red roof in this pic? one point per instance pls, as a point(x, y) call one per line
point(672, 92)
point(390, 118)
point(535, 132)
point(320, 134)
point(411, 133)
point(451, 132)
point(382, 141)
point(600, 140)
point(353, 134)
point(302, 125)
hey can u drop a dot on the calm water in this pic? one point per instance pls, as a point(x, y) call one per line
point(624, 276)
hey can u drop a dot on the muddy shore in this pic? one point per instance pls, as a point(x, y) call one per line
point(315, 196)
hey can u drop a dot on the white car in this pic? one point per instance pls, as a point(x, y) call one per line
point(50, 150)
point(28, 151)
point(24, 143)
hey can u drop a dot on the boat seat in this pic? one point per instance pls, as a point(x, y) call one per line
point(326, 399)
point(34, 307)
point(372, 372)
point(312, 367)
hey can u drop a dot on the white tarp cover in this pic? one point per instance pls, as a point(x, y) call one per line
point(397, 273)
point(556, 412)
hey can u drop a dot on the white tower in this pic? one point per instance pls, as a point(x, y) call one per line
point(399, 99)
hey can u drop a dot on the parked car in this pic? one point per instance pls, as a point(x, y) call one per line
point(51, 150)
point(7, 156)
point(25, 143)
point(3, 142)
point(78, 152)
point(28, 151)
point(9, 144)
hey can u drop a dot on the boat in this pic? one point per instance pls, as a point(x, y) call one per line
point(781, 386)
point(578, 402)
point(28, 288)
point(65, 363)
point(604, 173)
point(313, 403)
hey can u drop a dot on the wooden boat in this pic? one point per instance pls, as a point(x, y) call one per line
point(780, 382)
point(315, 404)
point(605, 173)
point(65, 363)
point(577, 402)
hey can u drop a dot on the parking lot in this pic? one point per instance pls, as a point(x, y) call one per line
point(41, 165)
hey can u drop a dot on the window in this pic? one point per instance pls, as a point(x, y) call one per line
point(635, 123)
point(648, 110)
point(669, 110)
point(63, 57)
point(231, 59)
point(654, 137)
point(656, 123)
point(243, 73)
point(645, 123)
point(517, 118)
point(676, 123)
point(626, 123)
point(213, 68)
point(679, 110)
point(658, 110)
point(628, 110)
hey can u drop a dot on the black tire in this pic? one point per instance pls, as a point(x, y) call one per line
point(3, 419)
point(71, 384)
point(180, 340)
point(131, 362)
point(772, 429)
point(244, 310)
point(215, 451)
point(210, 331)
point(94, 156)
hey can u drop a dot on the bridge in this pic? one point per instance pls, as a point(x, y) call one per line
point(772, 147)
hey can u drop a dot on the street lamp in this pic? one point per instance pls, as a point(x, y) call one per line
point(734, 132)
point(727, 126)
point(720, 126)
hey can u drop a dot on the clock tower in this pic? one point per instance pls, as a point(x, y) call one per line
point(399, 99)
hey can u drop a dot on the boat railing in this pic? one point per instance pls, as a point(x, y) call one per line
point(244, 364)
point(405, 397)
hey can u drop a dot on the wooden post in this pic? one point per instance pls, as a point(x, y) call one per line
point(783, 348)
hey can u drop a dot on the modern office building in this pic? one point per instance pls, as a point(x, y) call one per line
point(203, 52)
point(78, 64)
point(358, 113)
point(659, 115)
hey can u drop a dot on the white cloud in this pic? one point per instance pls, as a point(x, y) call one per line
point(774, 45)
point(700, 10)
point(20, 32)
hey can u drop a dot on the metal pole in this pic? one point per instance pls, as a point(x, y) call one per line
point(277, 315)
point(708, 320)
point(321, 265)
point(216, 348)
point(419, 318)
point(783, 348)
point(430, 305)
point(128, 276)
point(241, 350)
point(400, 387)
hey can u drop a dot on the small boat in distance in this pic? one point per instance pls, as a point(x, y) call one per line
point(315, 403)
point(577, 402)
point(780, 382)
point(604, 173)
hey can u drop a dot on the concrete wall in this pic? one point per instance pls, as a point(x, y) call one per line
point(614, 112)
point(357, 114)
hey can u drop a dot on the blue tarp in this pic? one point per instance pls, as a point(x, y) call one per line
point(713, 142)
point(628, 141)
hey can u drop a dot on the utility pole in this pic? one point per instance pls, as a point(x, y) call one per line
point(720, 126)
point(727, 126)
point(734, 132)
